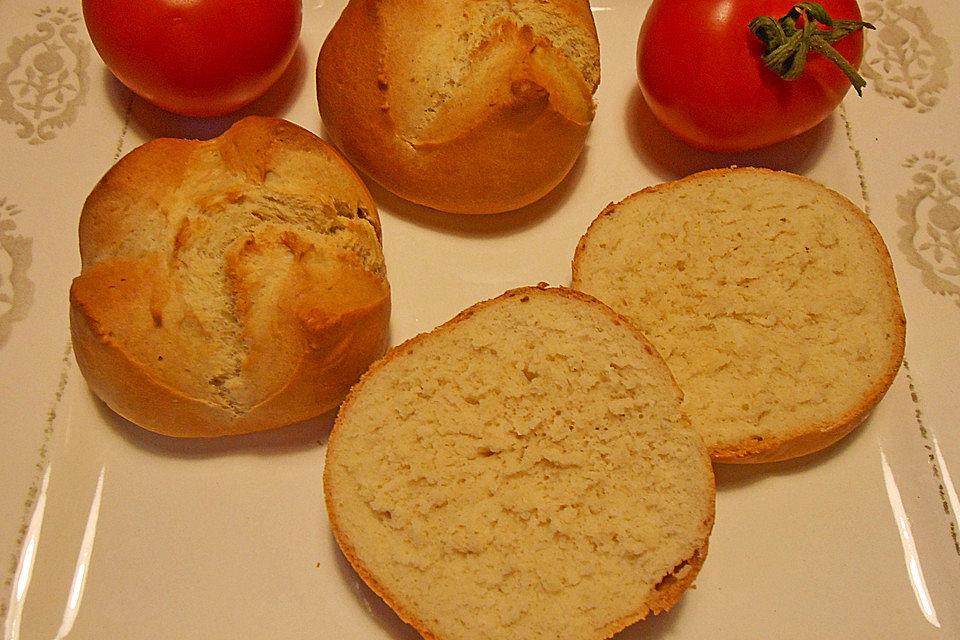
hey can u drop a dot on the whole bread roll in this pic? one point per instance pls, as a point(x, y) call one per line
point(772, 299)
point(522, 471)
point(229, 285)
point(466, 106)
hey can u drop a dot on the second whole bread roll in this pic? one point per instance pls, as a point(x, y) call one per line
point(477, 106)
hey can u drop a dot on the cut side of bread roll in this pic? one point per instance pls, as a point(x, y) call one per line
point(230, 285)
point(772, 299)
point(477, 106)
point(522, 471)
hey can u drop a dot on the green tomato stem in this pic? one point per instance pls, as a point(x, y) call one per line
point(786, 46)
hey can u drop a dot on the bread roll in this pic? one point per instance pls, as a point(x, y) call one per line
point(522, 471)
point(231, 285)
point(771, 297)
point(466, 106)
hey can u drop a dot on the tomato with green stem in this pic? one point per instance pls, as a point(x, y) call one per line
point(733, 75)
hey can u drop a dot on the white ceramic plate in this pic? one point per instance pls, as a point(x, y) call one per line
point(114, 532)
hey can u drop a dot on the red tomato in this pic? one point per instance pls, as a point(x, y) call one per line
point(195, 57)
point(701, 73)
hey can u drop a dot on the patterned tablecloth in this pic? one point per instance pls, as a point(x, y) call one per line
point(107, 531)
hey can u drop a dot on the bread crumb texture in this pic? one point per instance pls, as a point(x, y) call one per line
point(771, 298)
point(522, 472)
point(215, 267)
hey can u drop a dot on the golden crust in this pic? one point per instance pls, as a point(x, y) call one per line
point(505, 145)
point(290, 322)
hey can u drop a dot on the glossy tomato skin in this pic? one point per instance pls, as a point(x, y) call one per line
point(195, 57)
point(701, 74)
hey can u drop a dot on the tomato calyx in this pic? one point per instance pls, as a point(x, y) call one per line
point(786, 44)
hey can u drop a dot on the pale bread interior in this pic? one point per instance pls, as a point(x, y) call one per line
point(771, 298)
point(523, 471)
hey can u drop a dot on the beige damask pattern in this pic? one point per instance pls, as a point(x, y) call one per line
point(43, 82)
point(903, 58)
point(930, 235)
point(16, 254)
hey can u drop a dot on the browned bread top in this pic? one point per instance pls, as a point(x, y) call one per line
point(229, 285)
point(465, 106)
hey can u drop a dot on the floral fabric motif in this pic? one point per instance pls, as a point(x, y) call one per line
point(930, 236)
point(903, 58)
point(44, 80)
point(16, 254)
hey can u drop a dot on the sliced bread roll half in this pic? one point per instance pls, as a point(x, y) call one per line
point(229, 285)
point(771, 297)
point(466, 106)
point(522, 471)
